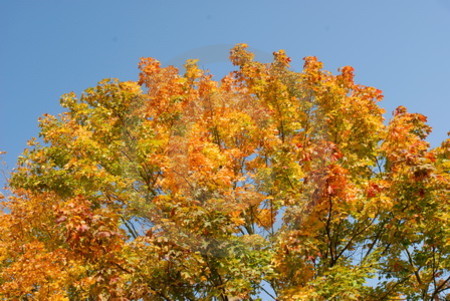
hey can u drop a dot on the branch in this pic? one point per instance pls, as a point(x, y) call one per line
point(130, 229)
point(416, 270)
point(269, 294)
point(439, 288)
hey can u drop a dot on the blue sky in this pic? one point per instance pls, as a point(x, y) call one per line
point(48, 48)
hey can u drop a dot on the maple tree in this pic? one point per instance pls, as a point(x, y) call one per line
point(269, 182)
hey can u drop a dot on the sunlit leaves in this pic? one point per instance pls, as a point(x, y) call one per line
point(269, 181)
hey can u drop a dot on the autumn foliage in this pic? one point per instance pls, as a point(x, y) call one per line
point(269, 184)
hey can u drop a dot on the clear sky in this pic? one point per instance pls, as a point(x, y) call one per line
point(48, 48)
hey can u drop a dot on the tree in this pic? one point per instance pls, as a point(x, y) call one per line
point(268, 183)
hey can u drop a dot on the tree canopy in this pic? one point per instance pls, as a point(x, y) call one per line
point(269, 184)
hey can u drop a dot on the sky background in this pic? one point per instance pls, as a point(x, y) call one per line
point(48, 48)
